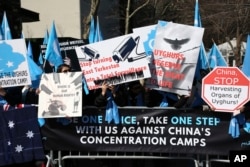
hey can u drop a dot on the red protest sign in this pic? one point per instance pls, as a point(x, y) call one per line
point(225, 89)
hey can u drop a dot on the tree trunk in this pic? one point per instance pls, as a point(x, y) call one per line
point(86, 21)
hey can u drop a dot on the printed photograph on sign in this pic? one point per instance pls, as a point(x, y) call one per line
point(61, 95)
point(175, 55)
point(14, 70)
point(114, 61)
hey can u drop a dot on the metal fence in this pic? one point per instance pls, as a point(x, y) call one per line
point(59, 158)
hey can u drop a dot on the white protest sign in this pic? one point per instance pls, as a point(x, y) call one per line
point(225, 89)
point(61, 95)
point(176, 50)
point(115, 61)
point(14, 69)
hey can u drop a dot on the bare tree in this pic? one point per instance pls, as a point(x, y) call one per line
point(92, 13)
point(131, 14)
point(231, 23)
point(222, 20)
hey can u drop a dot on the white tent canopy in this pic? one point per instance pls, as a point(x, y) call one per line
point(227, 51)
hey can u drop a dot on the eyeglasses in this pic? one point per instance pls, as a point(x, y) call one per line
point(66, 70)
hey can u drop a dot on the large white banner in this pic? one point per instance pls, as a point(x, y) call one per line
point(115, 61)
point(175, 55)
point(14, 70)
point(61, 95)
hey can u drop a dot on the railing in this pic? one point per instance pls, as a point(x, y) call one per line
point(59, 157)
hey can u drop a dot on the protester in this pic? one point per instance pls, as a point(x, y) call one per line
point(12, 95)
point(63, 68)
point(135, 93)
point(158, 98)
point(195, 100)
point(106, 90)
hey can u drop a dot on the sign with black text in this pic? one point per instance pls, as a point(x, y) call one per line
point(68, 54)
point(61, 95)
point(175, 54)
point(145, 130)
point(225, 89)
point(14, 69)
point(114, 61)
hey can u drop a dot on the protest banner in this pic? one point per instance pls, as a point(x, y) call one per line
point(61, 95)
point(14, 69)
point(146, 130)
point(175, 55)
point(115, 61)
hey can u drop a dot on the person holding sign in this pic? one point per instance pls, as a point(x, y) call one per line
point(12, 95)
point(103, 93)
point(87, 98)
point(136, 93)
point(155, 98)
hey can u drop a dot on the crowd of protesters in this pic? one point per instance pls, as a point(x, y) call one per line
point(133, 93)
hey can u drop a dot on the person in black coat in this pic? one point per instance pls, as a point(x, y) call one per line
point(114, 91)
point(154, 98)
point(12, 95)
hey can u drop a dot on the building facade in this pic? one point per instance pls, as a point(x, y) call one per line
point(66, 15)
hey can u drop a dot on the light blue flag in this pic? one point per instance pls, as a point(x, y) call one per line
point(95, 34)
point(202, 62)
point(112, 112)
point(197, 17)
point(245, 66)
point(98, 33)
point(29, 50)
point(164, 102)
point(40, 60)
point(46, 37)
point(22, 36)
point(53, 53)
point(203, 58)
point(35, 70)
point(92, 30)
point(5, 28)
point(1, 34)
point(215, 58)
point(45, 41)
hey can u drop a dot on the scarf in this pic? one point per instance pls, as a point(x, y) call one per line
point(164, 102)
point(111, 110)
point(234, 125)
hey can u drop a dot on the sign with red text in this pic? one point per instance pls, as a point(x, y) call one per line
point(175, 54)
point(225, 89)
point(116, 60)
